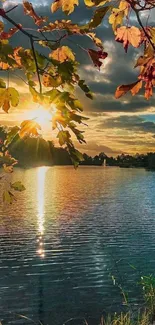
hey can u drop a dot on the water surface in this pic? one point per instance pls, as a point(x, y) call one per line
point(67, 234)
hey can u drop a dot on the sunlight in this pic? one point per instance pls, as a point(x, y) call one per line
point(40, 207)
point(42, 116)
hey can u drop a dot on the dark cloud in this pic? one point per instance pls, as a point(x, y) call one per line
point(119, 71)
point(120, 106)
point(134, 123)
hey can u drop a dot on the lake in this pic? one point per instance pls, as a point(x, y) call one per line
point(67, 235)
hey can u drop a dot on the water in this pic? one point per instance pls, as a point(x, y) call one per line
point(67, 234)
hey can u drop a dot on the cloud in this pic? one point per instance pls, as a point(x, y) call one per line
point(110, 133)
point(134, 123)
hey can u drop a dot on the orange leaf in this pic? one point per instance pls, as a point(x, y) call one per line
point(29, 10)
point(123, 89)
point(10, 33)
point(128, 35)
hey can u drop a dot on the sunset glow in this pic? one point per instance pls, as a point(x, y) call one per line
point(41, 115)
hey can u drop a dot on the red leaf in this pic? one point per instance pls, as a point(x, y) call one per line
point(10, 33)
point(96, 56)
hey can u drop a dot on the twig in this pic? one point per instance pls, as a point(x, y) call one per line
point(31, 37)
point(17, 25)
point(11, 9)
point(36, 63)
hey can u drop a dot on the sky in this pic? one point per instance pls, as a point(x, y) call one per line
point(115, 125)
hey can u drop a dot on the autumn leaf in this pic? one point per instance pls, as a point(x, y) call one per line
point(66, 5)
point(128, 35)
point(97, 3)
point(8, 197)
point(7, 160)
point(116, 18)
point(8, 97)
point(10, 33)
point(64, 137)
point(98, 17)
point(133, 88)
point(96, 40)
point(1, 26)
point(18, 186)
point(29, 128)
point(85, 89)
point(152, 33)
point(124, 6)
point(8, 169)
point(62, 54)
point(63, 25)
point(29, 10)
point(96, 56)
point(49, 81)
point(2, 83)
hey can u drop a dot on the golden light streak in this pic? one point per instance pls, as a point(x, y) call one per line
point(41, 209)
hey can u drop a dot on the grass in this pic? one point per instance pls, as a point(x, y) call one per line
point(144, 315)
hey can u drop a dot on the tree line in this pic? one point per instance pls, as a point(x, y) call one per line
point(36, 151)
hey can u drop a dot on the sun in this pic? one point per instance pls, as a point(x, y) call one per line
point(42, 116)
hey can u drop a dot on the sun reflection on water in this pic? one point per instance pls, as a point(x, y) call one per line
point(41, 209)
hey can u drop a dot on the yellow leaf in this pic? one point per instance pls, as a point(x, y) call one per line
point(49, 81)
point(8, 97)
point(116, 18)
point(8, 197)
point(66, 5)
point(8, 169)
point(97, 3)
point(152, 33)
point(29, 128)
point(96, 40)
point(62, 54)
point(1, 26)
point(124, 6)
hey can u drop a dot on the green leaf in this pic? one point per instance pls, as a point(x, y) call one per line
point(11, 135)
point(64, 137)
point(85, 88)
point(18, 186)
point(2, 83)
point(98, 17)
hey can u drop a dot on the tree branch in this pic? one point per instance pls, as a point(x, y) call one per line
point(143, 28)
point(31, 37)
point(17, 25)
